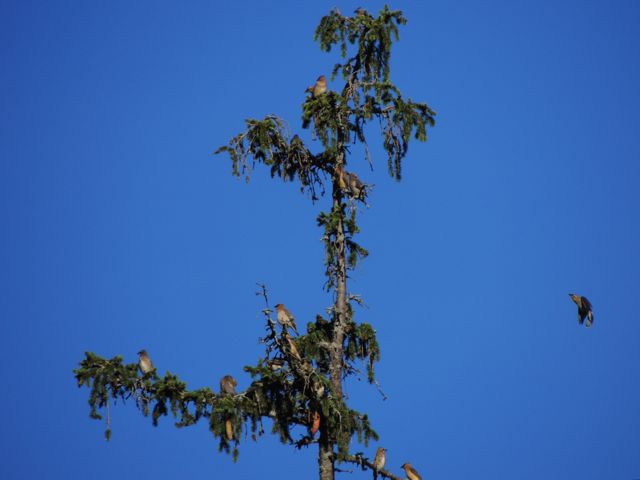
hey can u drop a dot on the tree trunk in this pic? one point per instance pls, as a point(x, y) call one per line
point(325, 460)
point(325, 457)
point(341, 300)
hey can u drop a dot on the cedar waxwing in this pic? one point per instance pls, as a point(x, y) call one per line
point(349, 182)
point(319, 88)
point(342, 177)
point(355, 185)
point(411, 472)
point(379, 460)
point(292, 347)
point(228, 385)
point(360, 11)
point(145, 363)
point(286, 318)
point(276, 363)
point(315, 425)
point(584, 309)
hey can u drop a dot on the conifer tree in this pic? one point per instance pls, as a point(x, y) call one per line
point(299, 380)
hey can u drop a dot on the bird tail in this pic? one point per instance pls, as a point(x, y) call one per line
point(589, 319)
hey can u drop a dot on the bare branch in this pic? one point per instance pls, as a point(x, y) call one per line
point(366, 464)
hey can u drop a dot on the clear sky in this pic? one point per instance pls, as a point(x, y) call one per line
point(120, 231)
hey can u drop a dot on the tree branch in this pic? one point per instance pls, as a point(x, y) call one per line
point(366, 464)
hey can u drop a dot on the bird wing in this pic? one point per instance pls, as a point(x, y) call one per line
point(288, 313)
point(412, 472)
point(586, 303)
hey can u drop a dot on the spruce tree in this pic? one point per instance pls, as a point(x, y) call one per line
point(299, 380)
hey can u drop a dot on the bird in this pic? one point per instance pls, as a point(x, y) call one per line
point(319, 87)
point(360, 11)
point(379, 460)
point(276, 363)
point(343, 181)
point(292, 347)
point(356, 187)
point(228, 385)
point(145, 363)
point(286, 318)
point(350, 182)
point(584, 309)
point(412, 474)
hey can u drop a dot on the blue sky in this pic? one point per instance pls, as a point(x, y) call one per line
point(121, 231)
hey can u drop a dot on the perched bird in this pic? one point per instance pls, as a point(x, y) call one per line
point(379, 460)
point(411, 472)
point(356, 187)
point(276, 363)
point(343, 180)
point(286, 318)
point(292, 347)
point(360, 11)
point(584, 309)
point(145, 363)
point(319, 87)
point(228, 385)
point(349, 182)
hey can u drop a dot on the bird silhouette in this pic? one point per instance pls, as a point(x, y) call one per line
point(584, 309)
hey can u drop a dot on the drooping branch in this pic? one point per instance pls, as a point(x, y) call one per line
point(290, 387)
point(368, 91)
point(267, 141)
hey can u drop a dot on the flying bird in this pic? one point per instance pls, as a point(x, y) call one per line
point(286, 318)
point(379, 460)
point(584, 309)
point(319, 87)
point(412, 474)
point(145, 363)
point(228, 385)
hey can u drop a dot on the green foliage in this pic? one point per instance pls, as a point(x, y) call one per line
point(288, 395)
point(338, 223)
point(373, 37)
point(293, 380)
point(267, 141)
point(368, 92)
